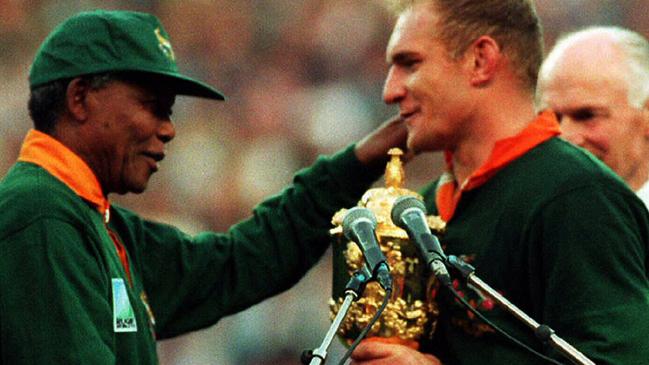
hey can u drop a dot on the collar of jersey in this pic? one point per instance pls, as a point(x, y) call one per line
point(45, 151)
point(505, 151)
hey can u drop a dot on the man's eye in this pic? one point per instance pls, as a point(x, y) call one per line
point(160, 110)
point(409, 63)
point(406, 62)
point(583, 115)
point(163, 112)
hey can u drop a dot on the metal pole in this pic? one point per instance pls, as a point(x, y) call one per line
point(542, 331)
point(320, 354)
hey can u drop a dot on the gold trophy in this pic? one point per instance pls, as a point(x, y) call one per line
point(411, 312)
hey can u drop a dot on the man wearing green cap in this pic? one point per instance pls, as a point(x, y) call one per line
point(86, 282)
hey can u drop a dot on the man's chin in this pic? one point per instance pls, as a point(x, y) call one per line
point(139, 188)
point(415, 146)
point(411, 144)
point(430, 143)
point(135, 188)
point(137, 191)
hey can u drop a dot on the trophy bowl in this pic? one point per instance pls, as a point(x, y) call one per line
point(411, 313)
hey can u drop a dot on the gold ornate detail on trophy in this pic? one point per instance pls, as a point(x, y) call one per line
point(411, 313)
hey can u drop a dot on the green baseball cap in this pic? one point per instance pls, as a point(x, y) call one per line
point(112, 41)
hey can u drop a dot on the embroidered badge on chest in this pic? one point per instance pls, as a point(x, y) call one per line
point(123, 315)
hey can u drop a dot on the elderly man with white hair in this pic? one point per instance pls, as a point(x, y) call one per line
point(597, 81)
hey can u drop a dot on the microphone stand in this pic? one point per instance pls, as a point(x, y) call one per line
point(353, 290)
point(543, 332)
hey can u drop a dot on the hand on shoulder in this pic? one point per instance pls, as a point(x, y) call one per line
point(374, 147)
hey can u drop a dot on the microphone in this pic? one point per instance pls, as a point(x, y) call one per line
point(359, 226)
point(409, 213)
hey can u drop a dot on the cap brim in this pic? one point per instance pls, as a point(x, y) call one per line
point(188, 86)
point(183, 85)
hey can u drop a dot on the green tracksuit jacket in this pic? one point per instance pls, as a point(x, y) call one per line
point(64, 294)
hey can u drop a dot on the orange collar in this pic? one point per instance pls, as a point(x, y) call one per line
point(506, 150)
point(50, 154)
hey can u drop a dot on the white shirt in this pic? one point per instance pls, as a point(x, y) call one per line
point(643, 193)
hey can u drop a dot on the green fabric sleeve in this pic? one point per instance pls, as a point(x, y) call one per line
point(192, 282)
point(53, 297)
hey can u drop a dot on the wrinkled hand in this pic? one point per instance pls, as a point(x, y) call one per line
point(377, 353)
point(373, 149)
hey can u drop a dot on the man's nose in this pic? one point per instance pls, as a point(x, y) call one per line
point(167, 131)
point(393, 89)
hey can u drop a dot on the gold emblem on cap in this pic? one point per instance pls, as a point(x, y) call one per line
point(164, 45)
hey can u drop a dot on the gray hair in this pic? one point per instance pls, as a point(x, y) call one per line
point(47, 102)
point(634, 46)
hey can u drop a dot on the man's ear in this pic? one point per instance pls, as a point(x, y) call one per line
point(645, 118)
point(76, 99)
point(484, 57)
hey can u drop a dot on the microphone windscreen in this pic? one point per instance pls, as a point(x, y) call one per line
point(353, 215)
point(401, 204)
